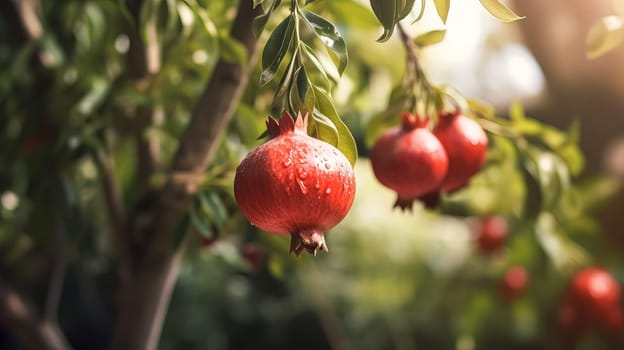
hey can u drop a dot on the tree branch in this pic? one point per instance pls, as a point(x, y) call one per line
point(21, 320)
point(145, 293)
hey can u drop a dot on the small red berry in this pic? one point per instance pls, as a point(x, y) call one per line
point(595, 293)
point(491, 234)
point(514, 282)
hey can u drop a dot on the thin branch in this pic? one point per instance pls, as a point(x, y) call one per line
point(20, 319)
point(29, 18)
point(57, 276)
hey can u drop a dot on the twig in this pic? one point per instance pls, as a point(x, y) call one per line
point(57, 276)
point(20, 319)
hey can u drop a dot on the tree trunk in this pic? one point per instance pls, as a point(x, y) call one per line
point(154, 264)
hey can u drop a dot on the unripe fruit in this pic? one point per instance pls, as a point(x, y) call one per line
point(491, 234)
point(595, 293)
point(295, 185)
point(514, 282)
point(409, 160)
point(465, 144)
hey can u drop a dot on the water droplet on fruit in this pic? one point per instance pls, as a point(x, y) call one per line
point(302, 186)
point(287, 163)
point(317, 184)
point(291, 176)
point(327, 190)
point(327, 166)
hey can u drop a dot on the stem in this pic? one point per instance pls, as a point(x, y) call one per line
point(416, 78)
point(19, 318)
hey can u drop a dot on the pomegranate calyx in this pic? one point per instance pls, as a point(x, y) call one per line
point(287, 124)
point(309, 239)
point(411, 121)
point(404, 203)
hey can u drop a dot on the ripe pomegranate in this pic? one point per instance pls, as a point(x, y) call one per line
point(491, 234)
point(409, 160)
point(295, 185)
point(465, 144)
point(596, 294)
point(514, 282)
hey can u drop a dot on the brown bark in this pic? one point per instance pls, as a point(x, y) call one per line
point(31, 331)
point(146, 289)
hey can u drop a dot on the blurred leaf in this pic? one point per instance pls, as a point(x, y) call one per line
point(382, 121)
point(403, 9)
point(213, 207)
point(257, 2)
point(430, 38)
point(232, 50)
point(346, 142)
point(442, 7)
point(330, 37)
point(350, 13)
point(421, 11)
point(385, 11)
point(550, 173)
point(604, 36)
point(276, 49)
point(481, 108)
point(201, 223)
point(565, 254)
point(260, 22)
point(500, 11)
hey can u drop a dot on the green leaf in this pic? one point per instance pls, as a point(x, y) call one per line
point(276, 49)
point(232, 51)
point(516, 112)
point(385, 11)
point(311, 57)
point(481, 108)
point(201, 223)
point(442, 7)
point(564, 253)
point(550, 172)
point(330, 37)
point(381, 122)
point(257, 2)
point(604, 36)
point(346, 142)
point(212, 206)
point(260, 22)
point(350, 13)
point(421, 12)
point(430, 38)
point(404, 9)
point(500, 11)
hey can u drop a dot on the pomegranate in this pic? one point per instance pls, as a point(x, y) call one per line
point(295, 185)
point(514, 282)
point(465, 144)
point(596, 294)
point(491, 234)
point(409, 160)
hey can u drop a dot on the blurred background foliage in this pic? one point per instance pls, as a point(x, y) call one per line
point(391, 279)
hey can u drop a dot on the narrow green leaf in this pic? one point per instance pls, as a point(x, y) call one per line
point(500, 11)
point(284, 84)
point(346, 142)
point(385, 11)
point(232, 51)
point(325, 129)
point(481, 108)
point(276, 49)
point(430, 38)
point(330, 37)
point(516, 112)
point(442, 7)
point(604, 36)
point(421, 12)
point(200, 223)
point(303, 85)
point(257, 2)
point(404, 10)
point(260, 22)
point(311, 57)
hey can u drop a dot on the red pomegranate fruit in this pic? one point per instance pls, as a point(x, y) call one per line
point(596, 294)
point(409, 160)
point(295, 185)
point(514, 283)
point(465, 144)
point(491, 234)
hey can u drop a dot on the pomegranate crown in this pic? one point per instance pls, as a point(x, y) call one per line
point(287, 124)
point(411, 121)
